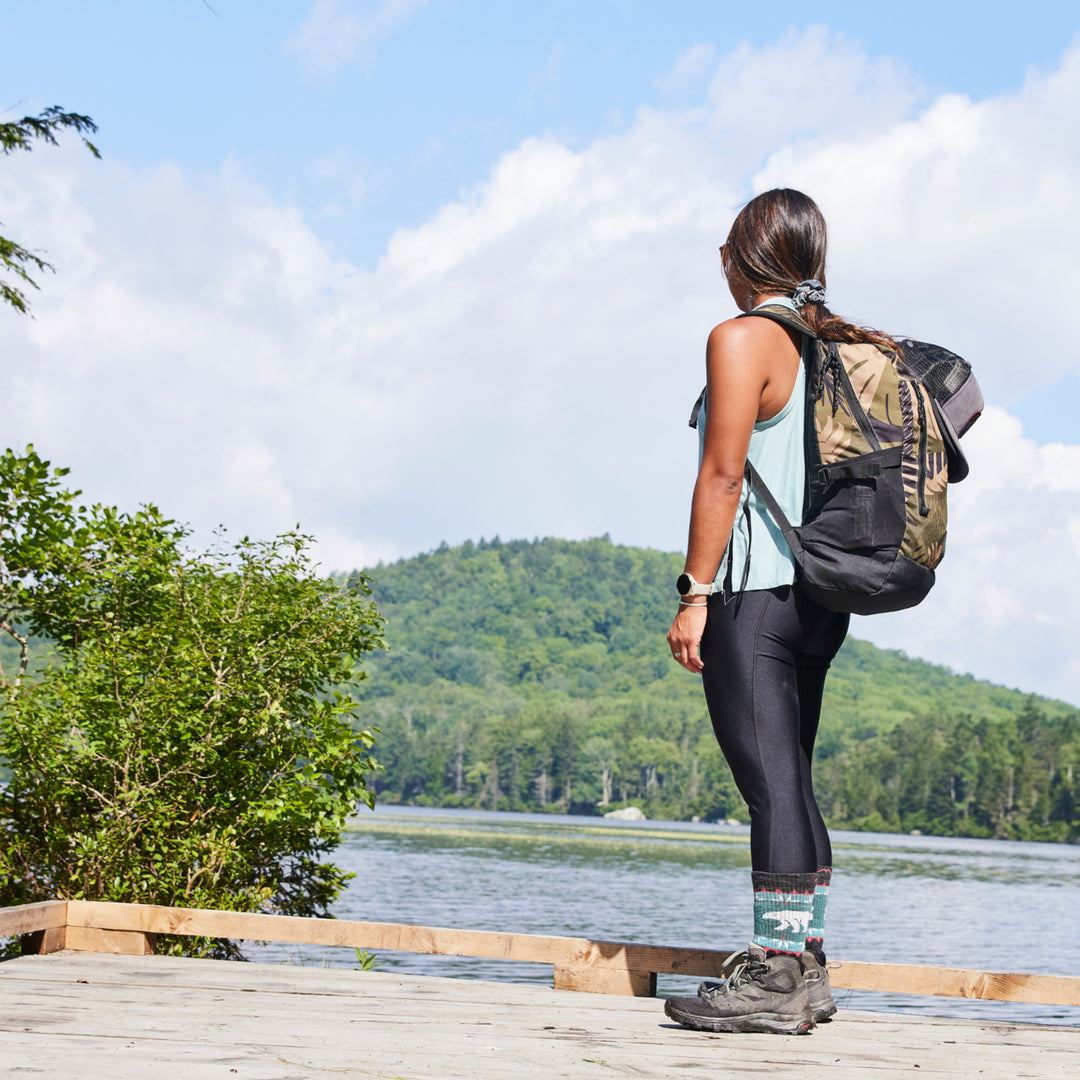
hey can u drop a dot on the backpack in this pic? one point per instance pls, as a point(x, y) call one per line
point(882, 442)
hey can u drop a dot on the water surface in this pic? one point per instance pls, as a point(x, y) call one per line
point(995, 905)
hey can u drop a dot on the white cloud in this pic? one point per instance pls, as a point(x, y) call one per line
point(957, 220)
point(332, 35)
point(523, 362)
point(334, 550)
point(1060, 467)
point(811, 89)
point(544, 83)
point(251, 474)
point(331, 166)
point(691, 68)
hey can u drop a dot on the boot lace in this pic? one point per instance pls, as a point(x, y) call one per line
point(742, 968)
point(738, 969)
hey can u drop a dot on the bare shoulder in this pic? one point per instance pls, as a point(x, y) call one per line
point(739, 337)
point(730, 331)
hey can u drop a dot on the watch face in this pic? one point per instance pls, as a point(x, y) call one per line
point(684, 584)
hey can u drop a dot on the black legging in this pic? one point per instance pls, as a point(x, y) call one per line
point(766, 654)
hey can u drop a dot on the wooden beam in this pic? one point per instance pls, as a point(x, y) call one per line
point(672, 960)
point(120, 942)
point(41, 942)
point(610, 967)
point(28, 918)
point(957, 982)
point(286, 928)
point(606, 980)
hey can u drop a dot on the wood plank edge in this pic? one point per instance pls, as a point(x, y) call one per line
point(957, 982)
point(30, 918)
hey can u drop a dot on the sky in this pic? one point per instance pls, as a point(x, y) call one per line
point(413, 271)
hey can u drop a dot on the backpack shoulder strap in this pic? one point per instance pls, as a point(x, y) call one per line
point(696, 411)
point(779, 313)
point(778, 515)
point(810, 357)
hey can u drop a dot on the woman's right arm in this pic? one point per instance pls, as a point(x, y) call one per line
point(737, 366)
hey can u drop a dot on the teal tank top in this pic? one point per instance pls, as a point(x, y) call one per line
point(777, 450)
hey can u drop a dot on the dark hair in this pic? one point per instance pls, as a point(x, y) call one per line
point(779, 239)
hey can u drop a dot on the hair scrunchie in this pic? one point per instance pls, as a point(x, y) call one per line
point(810, 291)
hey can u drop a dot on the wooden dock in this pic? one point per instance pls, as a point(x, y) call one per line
point(90, 1000)
point(95, 1016)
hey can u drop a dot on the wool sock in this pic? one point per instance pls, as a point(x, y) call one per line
point(815, 936)
point(782, 911)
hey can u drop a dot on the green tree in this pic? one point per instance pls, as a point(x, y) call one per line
point(534, 675)
point(191, 744)
point(37, 518)
point(20, 135)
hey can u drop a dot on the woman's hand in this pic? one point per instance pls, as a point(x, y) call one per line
point(684, 637)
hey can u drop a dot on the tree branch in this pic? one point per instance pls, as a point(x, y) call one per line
point(20, 135)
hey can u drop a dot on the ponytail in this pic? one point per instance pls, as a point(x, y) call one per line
point(830, 327)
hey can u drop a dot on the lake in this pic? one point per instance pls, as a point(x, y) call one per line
point(995, 905)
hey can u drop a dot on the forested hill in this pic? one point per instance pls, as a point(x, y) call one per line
point(532, 675)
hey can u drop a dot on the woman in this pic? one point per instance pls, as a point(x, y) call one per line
point(761, 646)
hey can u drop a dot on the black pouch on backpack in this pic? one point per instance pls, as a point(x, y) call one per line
point(848, 552)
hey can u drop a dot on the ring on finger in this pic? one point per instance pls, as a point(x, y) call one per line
point(676, 655)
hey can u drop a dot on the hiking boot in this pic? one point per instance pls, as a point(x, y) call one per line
point(818, 990)
point(762, 993)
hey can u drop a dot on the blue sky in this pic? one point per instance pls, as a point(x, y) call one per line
point(418, 112)
point(408, 271)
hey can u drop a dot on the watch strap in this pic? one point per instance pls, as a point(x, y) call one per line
point(696, 588)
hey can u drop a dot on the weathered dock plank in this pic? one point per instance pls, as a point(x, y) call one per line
point(114, 1017)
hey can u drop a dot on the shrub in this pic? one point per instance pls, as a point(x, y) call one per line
point(192, 744)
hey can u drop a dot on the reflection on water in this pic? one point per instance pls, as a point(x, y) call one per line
point(995, 905)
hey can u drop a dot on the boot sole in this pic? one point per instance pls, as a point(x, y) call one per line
point(762, 1023)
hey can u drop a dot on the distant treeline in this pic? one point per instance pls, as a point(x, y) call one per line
point(535, 676)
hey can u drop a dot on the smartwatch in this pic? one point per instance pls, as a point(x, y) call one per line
point(687, 586)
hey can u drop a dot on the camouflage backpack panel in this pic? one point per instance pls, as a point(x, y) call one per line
point(900, 413)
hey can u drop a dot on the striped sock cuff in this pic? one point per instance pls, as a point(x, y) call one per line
point(782, 910)
point(821, 900)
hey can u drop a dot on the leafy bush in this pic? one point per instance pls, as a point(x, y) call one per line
point(191, 745)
